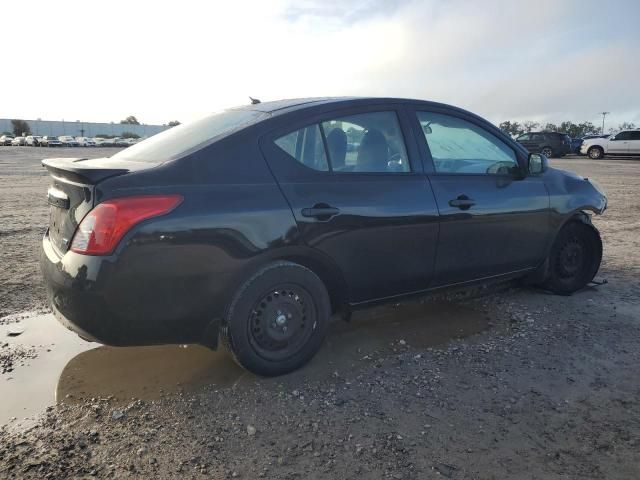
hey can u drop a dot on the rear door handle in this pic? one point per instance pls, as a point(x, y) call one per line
point(321, 212)
point(462, 202)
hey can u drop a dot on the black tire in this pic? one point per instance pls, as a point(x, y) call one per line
point(574, 259)
point(277, 320)
point(547, 152)
point(595, 153)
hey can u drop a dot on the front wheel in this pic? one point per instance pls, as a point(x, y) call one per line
point(278, 319)
point(547, 152)
point(575, 258)
point(595, 153)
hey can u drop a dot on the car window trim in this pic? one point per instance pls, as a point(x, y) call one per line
point(428, 159)
point(414, 158)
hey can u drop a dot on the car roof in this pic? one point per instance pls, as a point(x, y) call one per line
point(278, 107)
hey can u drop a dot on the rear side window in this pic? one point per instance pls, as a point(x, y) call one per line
point(177, 141)
point(458, 146)
point(365, 143)
point(635, 135)
point(306, 146)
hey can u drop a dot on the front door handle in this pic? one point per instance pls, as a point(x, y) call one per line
point(320, 211)
point(462, 202)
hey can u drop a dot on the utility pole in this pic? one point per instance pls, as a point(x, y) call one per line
point(604, 114)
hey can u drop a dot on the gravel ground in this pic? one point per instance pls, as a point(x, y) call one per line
point(548, 388)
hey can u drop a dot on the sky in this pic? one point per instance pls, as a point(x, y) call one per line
point(541, 60)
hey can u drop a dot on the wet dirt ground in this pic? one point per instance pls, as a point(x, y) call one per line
point(504, 383)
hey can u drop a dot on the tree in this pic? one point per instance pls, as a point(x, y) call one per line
point(626, 126)
point(530, 125)
point(550, 127)
point(587, 128)
point(577, 130)
point(20, 127)
point(130, 120)
point(511, 128)
point(173, 123)
point(129, 135)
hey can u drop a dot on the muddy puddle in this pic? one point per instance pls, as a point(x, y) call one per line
point(67, 368)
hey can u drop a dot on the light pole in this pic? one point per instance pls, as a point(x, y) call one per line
point(604, 114)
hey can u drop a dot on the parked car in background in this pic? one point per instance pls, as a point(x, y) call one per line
point(50, 141)
point(33, 140)
point(589, 137)
point(160, 244)
point(104, 142)
point(86, 141)
point(575, 145)
point(550, 144)
point(626, 142)
point(18, 141)
point(6, 140)
point(68, 141)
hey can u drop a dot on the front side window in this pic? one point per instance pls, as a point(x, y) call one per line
point(623, 136)
point(458, 146)
point(365, 143)
point(635, 135)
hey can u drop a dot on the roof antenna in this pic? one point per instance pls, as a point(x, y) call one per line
point(254, 101)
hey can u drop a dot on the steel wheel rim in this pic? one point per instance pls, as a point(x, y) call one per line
point(547, 152)
point(282, 321)
point(594, 153)
point(571, 259)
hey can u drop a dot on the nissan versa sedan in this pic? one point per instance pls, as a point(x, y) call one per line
point(254, 225)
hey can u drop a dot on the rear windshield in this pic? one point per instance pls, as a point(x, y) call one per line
point(177, 141)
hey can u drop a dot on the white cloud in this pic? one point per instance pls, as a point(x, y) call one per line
point(548, 60)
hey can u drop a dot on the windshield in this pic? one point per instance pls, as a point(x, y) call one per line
point(176, 141)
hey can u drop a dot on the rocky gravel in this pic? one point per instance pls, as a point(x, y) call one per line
point(549, 389)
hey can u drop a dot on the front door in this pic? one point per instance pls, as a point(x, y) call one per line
point(359, 195)
point(634, 143)
point(619, 144)
point(492, 221)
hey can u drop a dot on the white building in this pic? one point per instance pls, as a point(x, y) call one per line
point(83, 129)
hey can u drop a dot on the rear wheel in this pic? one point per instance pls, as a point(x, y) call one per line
point(575, 258)
point(278, 319)
point(595, 153)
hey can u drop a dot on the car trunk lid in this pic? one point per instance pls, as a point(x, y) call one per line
point(71, 194)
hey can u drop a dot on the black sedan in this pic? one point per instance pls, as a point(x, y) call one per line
point(256, 224)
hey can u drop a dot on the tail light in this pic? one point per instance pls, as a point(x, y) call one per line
point(104, 226)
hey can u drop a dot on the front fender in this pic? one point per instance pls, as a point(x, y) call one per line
point(569, 194)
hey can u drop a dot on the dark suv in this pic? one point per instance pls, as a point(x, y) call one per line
point(550, 144)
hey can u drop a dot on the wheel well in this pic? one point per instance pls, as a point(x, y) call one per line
point(330, 276)
point(540, 274)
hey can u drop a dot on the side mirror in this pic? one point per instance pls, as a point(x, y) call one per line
point(536, 163)
point(612, 137)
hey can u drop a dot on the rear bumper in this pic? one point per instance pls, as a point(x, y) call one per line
point(102, 300)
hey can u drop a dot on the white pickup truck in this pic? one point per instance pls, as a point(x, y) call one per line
point(626, 142)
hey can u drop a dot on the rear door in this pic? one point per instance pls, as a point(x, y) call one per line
point(358, 193)
point(492, 221)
